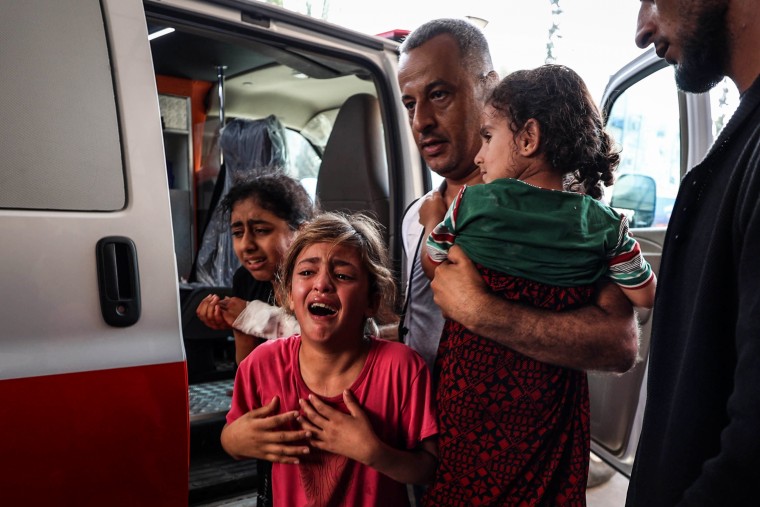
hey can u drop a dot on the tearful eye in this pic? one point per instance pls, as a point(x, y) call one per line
point(321, 309)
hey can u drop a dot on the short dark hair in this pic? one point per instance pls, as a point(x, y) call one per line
point(573, 138)
point(276, 192)
point(472, 44)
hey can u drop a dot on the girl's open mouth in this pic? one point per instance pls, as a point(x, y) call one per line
point(321, 309)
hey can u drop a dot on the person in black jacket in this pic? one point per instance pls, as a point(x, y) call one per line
point(699, 444)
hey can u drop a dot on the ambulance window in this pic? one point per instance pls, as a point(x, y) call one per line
point(724, 99)
point(644, 122)
point(59, 135)
point(303, 161)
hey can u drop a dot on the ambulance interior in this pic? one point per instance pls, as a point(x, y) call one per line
point(208, 75)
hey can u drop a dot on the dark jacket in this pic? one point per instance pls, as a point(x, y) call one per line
point(700, 443)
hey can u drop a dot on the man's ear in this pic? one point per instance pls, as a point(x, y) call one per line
point(529, 138)
point(485, 85)
point(492, 79)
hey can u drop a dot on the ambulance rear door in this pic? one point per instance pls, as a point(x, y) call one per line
point(93, 390)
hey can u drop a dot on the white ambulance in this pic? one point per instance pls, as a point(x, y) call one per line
point(111, 392)
point(108, 157)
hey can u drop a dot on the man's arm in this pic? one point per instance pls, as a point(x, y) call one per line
point(600, 336)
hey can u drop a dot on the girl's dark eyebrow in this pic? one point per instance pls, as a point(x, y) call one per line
point(335, 261)
point(239, 223)
point(340, 262)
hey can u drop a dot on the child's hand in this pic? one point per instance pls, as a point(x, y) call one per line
point(210, 313)
point(349, 435)
point(259, 434)
point(231, 308)
point(432, 210)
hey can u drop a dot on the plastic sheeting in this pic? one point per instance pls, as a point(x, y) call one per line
point(250, 148)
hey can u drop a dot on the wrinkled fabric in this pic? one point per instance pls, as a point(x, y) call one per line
point(549, 236)
point(395, 392)
point(266, 321)
point(699, 441)
point(513, 431)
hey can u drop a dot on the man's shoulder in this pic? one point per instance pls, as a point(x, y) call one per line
point(410, 224)
point(412, 212)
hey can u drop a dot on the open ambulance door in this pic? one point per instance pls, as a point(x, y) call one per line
point(92, 373)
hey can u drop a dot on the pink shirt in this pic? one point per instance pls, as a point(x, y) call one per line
point(394, 390)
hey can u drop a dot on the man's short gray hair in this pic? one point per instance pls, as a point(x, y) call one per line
point(470, 39)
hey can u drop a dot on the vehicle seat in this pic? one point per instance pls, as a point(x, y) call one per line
point(354, 172)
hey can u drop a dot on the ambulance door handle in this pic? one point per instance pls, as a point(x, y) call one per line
point(118, 281)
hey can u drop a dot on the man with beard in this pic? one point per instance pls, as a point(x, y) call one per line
point(700, 443)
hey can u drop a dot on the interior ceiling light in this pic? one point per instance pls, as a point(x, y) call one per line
point(159, 33)
point(299, 75)
point(479, 22)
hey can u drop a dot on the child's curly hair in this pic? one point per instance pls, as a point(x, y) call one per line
point(573, 138)
point(358, 231)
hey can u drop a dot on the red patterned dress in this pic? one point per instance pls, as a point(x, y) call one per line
point(513, 430)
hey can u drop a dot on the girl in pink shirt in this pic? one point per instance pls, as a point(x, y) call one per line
point(346, 418)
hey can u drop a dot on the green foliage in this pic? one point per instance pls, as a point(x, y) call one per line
point(553, 32)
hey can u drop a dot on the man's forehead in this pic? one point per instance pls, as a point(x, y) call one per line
point(427, 72)
point(431, 51)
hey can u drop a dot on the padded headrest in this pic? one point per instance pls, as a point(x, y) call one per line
point(354, 171)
